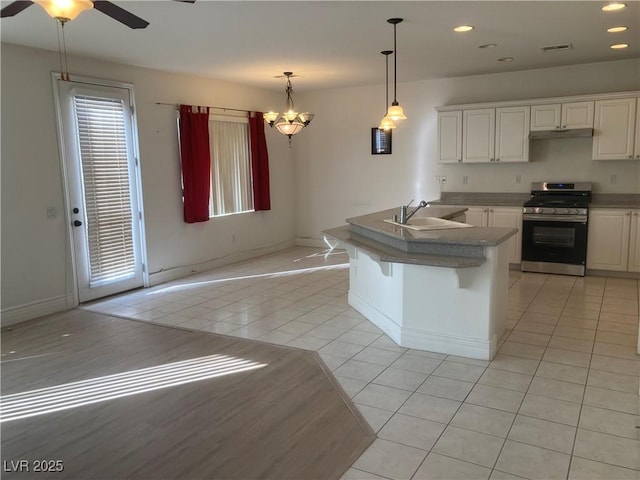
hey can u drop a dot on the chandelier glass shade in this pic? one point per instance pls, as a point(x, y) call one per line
point(65, 10)
point(290, 122)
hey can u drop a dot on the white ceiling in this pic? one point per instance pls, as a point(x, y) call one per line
point(337, 44)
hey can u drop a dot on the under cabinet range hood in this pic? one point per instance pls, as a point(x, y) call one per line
point(566, 133)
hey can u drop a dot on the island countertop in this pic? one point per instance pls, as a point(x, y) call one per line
point(453, 248)
point(474, 236)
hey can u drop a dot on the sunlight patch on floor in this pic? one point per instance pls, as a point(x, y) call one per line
point(100, 389)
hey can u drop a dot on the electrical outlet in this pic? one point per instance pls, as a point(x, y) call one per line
point(612, 179)
point(465, 180)
point(443, 180)
point(518, 179)
point(52, 212)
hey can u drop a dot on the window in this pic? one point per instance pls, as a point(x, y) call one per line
point(231, 187)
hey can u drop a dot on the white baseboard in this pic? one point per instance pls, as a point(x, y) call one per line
point(423, 340)
point(311, 242)
point(176, 273)
point(379, 319)
point(29, 311)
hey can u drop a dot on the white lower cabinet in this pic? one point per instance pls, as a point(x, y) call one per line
point(510, 217)
point(614, 240)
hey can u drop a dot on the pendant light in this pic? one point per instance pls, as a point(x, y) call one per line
point(290, 122)
point(386, 123)
point(395, 110)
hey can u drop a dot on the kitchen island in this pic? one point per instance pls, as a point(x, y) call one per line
point(441, 290)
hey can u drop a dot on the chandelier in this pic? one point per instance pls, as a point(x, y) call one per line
point(290, 122)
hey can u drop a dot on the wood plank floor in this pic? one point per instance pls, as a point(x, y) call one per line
point(283, 417)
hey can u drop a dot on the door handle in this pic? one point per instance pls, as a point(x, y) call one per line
point(77, 223)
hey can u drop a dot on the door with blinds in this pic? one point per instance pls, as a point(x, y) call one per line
point(102, 183)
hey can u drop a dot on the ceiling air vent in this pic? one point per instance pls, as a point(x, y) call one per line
point(557, 48)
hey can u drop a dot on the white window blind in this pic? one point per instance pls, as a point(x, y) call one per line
point(105, 171)
point(231, 182)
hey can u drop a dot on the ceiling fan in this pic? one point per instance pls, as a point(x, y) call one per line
point(108, 8)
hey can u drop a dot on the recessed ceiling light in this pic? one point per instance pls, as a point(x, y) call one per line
point(488, 45)
point(506, 59)
point(619, 46)
point(613, 6)
point(463, 28)
point(621, 28)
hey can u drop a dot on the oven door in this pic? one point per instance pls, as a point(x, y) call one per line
point(555, 239)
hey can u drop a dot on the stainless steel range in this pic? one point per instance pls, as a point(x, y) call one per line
point(554, 228)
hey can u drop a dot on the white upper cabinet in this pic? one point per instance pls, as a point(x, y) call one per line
point(577, 115)
point(614, 129)
point(546, 117)
point(496, 135)
point(562, 116)
point(478, 133)
point(512, 134)
point(450, 136)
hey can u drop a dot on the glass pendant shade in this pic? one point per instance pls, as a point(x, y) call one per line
point(289, 128)
point(290, 116)
point(306, 118)
point(396, 113)
point(65, 9)
point(270, 117)
point(386, 123)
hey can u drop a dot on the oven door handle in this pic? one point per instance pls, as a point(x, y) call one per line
point(540, 217)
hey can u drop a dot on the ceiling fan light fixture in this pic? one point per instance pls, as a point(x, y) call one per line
point(64, 10)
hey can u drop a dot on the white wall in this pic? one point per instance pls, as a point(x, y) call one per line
point(337, 177)
point(35, 277)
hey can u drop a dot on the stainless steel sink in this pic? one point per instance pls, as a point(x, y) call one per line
point(429, 223)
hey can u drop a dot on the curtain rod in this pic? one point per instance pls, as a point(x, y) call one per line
point(219, 108)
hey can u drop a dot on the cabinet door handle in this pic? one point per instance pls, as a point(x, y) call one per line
point(491, 210)
point(630, 156)
point(564, 126)
point(497, 159)
point(460, 160)
point(628, 213)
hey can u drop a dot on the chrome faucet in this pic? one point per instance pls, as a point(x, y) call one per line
point(404, 217)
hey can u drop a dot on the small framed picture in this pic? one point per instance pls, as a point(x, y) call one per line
point(380, 142)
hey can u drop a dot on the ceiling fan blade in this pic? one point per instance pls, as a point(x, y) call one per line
point(15, 8)
point(120, 14)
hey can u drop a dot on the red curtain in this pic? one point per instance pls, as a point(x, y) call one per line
point(259, 162)
point(196, 162)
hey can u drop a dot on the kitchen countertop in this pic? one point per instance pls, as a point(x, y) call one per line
point(453, 248)
point(615, 200)
point(599, 200)
point(482, 198)
point(474, 236)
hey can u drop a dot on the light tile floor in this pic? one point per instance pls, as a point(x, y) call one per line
point(560, 400)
